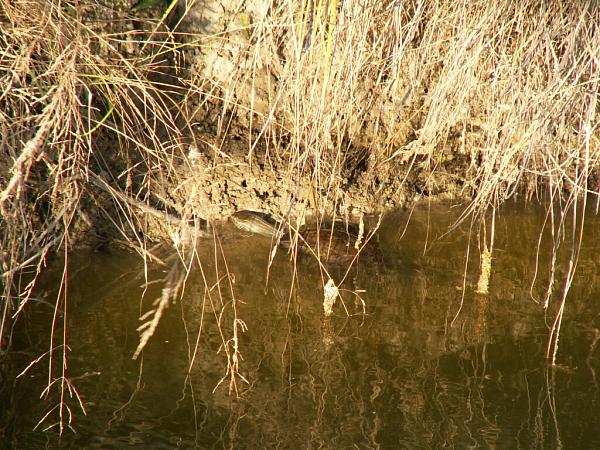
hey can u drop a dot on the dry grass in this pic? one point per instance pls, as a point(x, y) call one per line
point(68, 86)
point(511, 88)
point(501, 96)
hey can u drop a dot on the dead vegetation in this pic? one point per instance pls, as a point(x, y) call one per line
point(363, 104)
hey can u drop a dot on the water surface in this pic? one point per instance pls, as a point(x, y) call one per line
point(412, 359)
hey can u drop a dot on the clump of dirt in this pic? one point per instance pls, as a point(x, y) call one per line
point(205, 186)
point(212, 185)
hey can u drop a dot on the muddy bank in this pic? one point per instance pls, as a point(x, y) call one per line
point(216, 184)
point(207, 186)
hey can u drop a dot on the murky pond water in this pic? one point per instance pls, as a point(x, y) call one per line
point(423, 366)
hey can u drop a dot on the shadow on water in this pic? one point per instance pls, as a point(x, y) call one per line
point(412, 372)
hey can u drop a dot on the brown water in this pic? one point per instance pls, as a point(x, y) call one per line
point(416, 371)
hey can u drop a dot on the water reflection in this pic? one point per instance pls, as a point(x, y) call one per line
point(430, 363)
